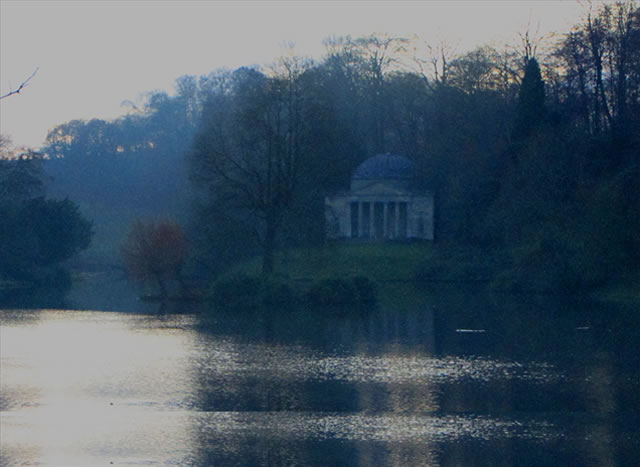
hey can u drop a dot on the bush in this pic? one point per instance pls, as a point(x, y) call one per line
point(331, 292)
point(155, 251)
point(243, 292)
point(39, 234)
point(540, 265)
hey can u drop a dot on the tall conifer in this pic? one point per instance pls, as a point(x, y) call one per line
point(530, 110)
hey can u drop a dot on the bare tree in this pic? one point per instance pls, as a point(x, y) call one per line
point(249, 154)
point(434, 67)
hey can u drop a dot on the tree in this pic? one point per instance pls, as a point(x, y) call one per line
point(250, 153)
point(37, 234)
point(476, 70)
point(21, 175)
point(365, 64)
point(437, 58)
point(601, 59)
point(58, 227)
point(379, 53)
point(155, 251)
point(530, 110)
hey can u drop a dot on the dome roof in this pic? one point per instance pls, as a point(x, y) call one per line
point(385, 166)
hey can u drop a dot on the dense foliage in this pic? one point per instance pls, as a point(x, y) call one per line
point(36, 233)
point(243, 292)
point(532, 151)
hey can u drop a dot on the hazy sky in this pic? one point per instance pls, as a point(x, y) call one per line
point(93, 55)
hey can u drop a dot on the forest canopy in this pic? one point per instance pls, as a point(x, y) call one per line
point(532, 150)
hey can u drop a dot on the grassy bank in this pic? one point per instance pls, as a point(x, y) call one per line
point(384, 262)
point(380, 262)
point(409, 262)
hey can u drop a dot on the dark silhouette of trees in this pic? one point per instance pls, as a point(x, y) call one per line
point(256, 146)
point(37, 235)
point(365, 64)
point(524, 149)
point(530, 109)
point(21, 175)
point(601, 58)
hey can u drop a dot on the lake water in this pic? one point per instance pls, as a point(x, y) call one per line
point(440, 378)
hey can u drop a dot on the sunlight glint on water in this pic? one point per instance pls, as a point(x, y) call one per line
point(87, 388)
point(90, 374)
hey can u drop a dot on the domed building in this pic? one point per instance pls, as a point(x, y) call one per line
point(381, 203)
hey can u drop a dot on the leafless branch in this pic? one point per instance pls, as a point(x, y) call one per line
point(22, 85)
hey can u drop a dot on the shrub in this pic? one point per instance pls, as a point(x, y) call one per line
point(540, 265)
point(37, 235)
point(155, 251)
point(244, 293)
point(331, 292)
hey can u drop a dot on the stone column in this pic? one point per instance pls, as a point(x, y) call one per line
point(372, 232)
point(390, 227)
point(385, 219)
point(360, 224)
point(349, 217)
point(397, 219)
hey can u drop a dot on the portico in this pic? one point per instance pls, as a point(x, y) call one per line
point(380, 204)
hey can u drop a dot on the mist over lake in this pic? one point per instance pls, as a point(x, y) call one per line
point(391, 252)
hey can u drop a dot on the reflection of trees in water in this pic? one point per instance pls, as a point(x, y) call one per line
point(581, 348)
point(512, 387)
point(401, 329)
point(301, 364)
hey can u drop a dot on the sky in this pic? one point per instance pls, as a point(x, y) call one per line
point(91, 56)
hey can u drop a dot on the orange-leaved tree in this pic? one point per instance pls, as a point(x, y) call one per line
point(155, 251)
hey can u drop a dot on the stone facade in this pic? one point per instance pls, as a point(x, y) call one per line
point(381, 204)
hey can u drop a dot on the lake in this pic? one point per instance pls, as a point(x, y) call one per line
point(432, 377)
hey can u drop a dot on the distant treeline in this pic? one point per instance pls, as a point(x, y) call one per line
point(531, 153)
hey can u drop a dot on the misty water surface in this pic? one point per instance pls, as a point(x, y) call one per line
point(452, 379)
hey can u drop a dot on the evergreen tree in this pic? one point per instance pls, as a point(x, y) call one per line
point(530, 110)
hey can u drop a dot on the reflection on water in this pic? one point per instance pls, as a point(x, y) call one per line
point(395, 387)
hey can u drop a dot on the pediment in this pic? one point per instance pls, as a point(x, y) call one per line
point(378, 188)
